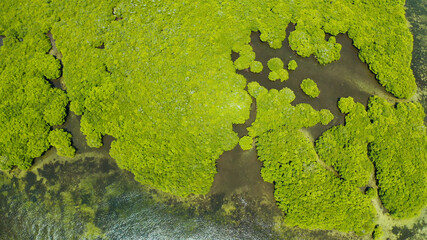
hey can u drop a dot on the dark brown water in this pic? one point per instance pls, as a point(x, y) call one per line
point(238, 170)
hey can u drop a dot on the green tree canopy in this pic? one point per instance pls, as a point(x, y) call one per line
point(292, 65)
point(275, 64)
point(309, 87)
point(29, 106)
point(61, 140)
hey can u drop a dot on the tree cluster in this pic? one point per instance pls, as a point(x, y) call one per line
point(277, 71)
point(61, 140)
point(310, 195)
point(309, 87)
point(29, 106)
point(292, 65)
point(399, 153)
point(391, 138)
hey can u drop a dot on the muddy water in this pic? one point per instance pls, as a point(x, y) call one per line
point(346, 77)
point(239, 171)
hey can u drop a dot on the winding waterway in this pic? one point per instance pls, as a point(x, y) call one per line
point(89, 197)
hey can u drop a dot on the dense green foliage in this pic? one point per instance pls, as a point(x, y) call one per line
point(158, 77)
point(345, 147)
point(313, 196)
point(378, 233)
point(246, 58)
point(308, 39)
point(164, 85)
point(246, 142)
point(326, 116)
point(397, 142)
point(274, 109)
point(275, 64)
point(256, 67)
point(309, 87)
point(28, 104)
point(277, 71)
point(399, 153)
point(292, 65)
point(61, 140)
point(378, 28)
point(309, 195)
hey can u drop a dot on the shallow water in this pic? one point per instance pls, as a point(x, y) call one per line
point(62, 199)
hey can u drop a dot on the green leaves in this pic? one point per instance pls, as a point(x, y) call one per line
point(61, 140)
point(326, 116)
point(277, 71)
point(309, 87)
point(256, 67)
point(246, 142)
point(345, 148)
point(309, 195)
point(395, 140)
point(255, 90)
point(328, 52)
point(165, 87)
point(400, 156)
point(29, 106)
point(275, 64)
point(292, 65)
point(346, 105)
point(246, 59)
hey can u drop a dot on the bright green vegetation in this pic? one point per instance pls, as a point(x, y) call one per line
point(277, 71)
point(246, 58)
point(309, 87)
point(246, 142)
point(395, 140)
point(292, 65)
point(158, 77)
point(275, 64)
point(345, 147)
point(256, 67)
point(313, 196)
point(378, 233)
point(326, 116)
point(275, 109)
point(309, 195)
point(29, 106)
point(61, 140)
point(308, 38)
point(378, 28)
point(164, 85)
point(399, 153)
point(371, 192)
